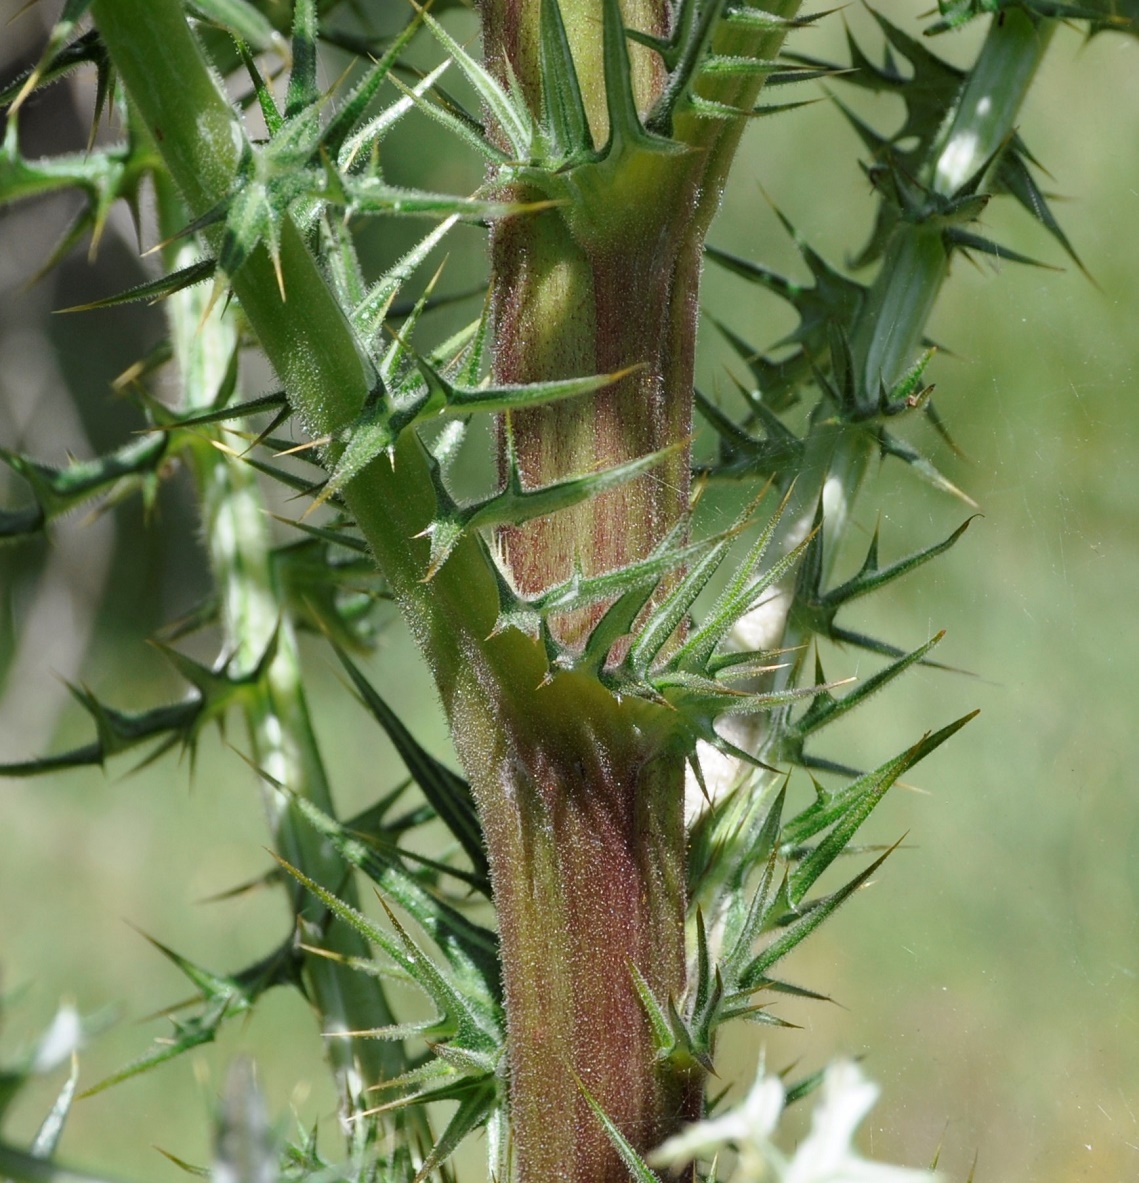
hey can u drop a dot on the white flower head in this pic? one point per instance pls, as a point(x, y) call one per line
point(60, 1041)
point(826, 1155)
point(747, 1127)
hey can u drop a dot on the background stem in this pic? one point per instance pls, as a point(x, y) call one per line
point(888, 333)
point(282, 742)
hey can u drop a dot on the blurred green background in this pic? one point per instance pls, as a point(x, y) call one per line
point(991, 974)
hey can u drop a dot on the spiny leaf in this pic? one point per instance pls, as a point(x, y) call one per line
point(744, 456)
point(701, 699)
point(303, 91)
point(745, 664)
point(86, 49)
point(626, 132)
point(81, 757)
point(461, 399)
point(638, 1168)
point(804, 876)
point(566, 124)
point(334, 538)
point(474, 1111)
point(254, 406)
point(69, 18)
point(1013, 176)
point(890, 445)
point(472, 368)
point(730, 64)
point(447, 793)
point(477, 1044)
point(700, 989)
point(155, 289)
point(692, 1037)
point(59, 490)
point(303, 485)
point(367, 137)
point(187, 1036)
point(583, 591)
point(826, 709)
point(218, 687)
point(871, 578)
point(459, 1082)
point(274, 120)
point(514, 121)
point(668, 47)
point(832, 299)
point(616, 622)
point(469, 1028)
point(625, 128)
point(695, 41)
point(743, 922)
point(369, 314)
point(461, 125)
point(213, 987)
point(829, 807)
point(118, 731)
point(789, 74)
point(371, 195)
point(966, 240)
point(102, 176)
point(470, 949)
point(739, 597)
point(515, 503)
point(778, 381)
point(711, 109)
point(351, 111)
point(799, 929)
point(654, 1012)
point(394, 1032)
point(374, 433)
point(745, 17)
point(928, 92)
point(667, 616)
point(909, 393)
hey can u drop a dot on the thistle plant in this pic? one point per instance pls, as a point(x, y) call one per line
point(600, 648)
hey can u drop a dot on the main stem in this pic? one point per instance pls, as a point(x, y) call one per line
point(588, 841)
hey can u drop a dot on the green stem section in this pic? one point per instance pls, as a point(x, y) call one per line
point(892, 321)
point(310, 344)
point(719, 139)
point(253, 616)
point(888, 332)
